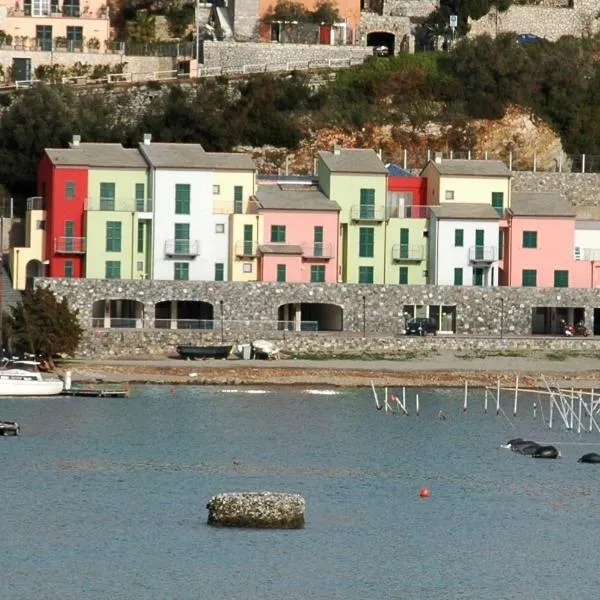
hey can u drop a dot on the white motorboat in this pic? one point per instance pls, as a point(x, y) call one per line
point(24, 378)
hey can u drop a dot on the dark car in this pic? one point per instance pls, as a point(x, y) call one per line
point(421, 326)
point(529, 38)
point(381, 51)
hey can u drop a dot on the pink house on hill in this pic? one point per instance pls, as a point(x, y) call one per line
point(540, 244)
point(300, 234)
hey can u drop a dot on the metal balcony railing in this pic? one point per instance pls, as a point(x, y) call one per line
point(395, 211)
point(367, 213)
point(69, 245)
point(119, 204)
point(406, 252)
point(317, 250)
point(483, 254)
point(182, 247)
point(246, 249)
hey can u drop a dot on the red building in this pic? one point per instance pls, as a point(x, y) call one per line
point(408, 191)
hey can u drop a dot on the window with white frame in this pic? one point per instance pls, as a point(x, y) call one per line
point(449, 195)
point(247, 268)
point(220, 228)
point(216, 190)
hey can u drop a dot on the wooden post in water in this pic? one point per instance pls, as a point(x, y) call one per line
point(404, 400)
point(516, 396)
point(579, 417)
point(417, 404)
point(551, 412)
point(572, 409)
point(591, 408)
point(485, 402)
point(466, 396)
point(498, 396)
point(386, 399)
point(377, 405)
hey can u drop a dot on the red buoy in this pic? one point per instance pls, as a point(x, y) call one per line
point(424, 492)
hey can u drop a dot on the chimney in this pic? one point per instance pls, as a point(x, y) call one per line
point(438, 157)
point(76, 141)
point(337, 149)
point(147, 139)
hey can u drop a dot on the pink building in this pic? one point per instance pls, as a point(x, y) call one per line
point(540, 244)
point(300, 234)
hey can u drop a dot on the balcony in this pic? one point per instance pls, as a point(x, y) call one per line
point(407, 253)
point(395, 211)
point(367, 213)
point(140, 205)
point(317, 250)
point(69, 245)
point(182, 248)
point(246, 249)
point(482, 254)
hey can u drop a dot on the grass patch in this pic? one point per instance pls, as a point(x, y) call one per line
point(556, 356)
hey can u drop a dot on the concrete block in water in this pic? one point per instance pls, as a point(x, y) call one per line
point(267, 510)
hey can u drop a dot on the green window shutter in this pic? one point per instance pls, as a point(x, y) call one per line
point(219, 272)
point(238, 199)
point(70, 190)
point(278, 233)
point(112, 269)
point(530, 239)
point(281, 273)
point(69, 236)
point(113, 236)
point(140, 197)
point(107, 196)
point(140, 237)
point(458, 276)
point(561, 279)
point(365, 274)
point(367, 203)
point(317, 274)
point(68, 269)
point(182, 238)
point(500, 244)
point(248, 241)
point(404, 242)
point(318, 240)
point(529, 278)
point(366, 242)
point(498, 201)
point(182, 198)
point(181, 271)
point(459, 236)
point(403, 276)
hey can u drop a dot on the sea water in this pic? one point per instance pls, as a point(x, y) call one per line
point(106, 498)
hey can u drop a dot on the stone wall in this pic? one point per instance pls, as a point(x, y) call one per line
point(251, 309)
point(543, 20)
point(234, 54)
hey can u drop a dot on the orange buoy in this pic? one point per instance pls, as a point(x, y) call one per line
point(424, 492)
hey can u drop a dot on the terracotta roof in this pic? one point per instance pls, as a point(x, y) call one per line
point(353, 160)
point(97, 155)
point(540, 204)
point(471, 168)
point(464, 210)
point(277, 197)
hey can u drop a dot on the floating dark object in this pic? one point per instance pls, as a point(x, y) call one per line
point(9, 428)
point(194, 352)
point(546, 452)
point(519, 446)
point(590, 457)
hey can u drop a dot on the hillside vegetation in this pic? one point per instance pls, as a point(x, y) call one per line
point(558, 82)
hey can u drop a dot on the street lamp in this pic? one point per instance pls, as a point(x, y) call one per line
point(364, 323)
point(501, 317)
point(221, 306)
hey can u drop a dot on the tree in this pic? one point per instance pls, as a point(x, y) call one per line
point(43, 325)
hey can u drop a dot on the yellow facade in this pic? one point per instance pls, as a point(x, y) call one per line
point(244, 251)
point(26, 261)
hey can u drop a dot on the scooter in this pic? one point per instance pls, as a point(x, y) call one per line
point(578, 330)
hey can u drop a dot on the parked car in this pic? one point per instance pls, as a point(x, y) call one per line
point(381, 51)
point(421, 326)
point(528, 38)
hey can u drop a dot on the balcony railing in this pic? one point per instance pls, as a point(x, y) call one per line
point(367, 213)
point(483, 254)
point(182, 247)
point(317, 250)
point(587, 253)
point(119, 204)
point(246, 249)
point(36, 203)
point(406, 252)
point(69, 245)
point(394, 211)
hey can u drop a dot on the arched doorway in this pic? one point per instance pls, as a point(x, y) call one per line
point(117, 314)
point(380, 40)
point(184, 314)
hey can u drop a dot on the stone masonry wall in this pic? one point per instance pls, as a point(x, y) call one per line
point(250, 310)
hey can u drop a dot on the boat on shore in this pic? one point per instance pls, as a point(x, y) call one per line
point(24, 378)
point(9, 428)
point(195, 352)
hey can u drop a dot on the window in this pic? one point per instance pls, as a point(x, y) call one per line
point(182, 238)
point(39, 8)
point(459, 237)
point(112, 269)
point(68, 269)
point(247, 268)
point(216, 190)
point(219, 272)
point(500, 244)
point(367, 203)
point(403, 275)
point(318, 240)
point(139, 266)
point(278, 233)
point(74, 37)
point(458, 276)
point(529, 278)
point(69, 190)
point(220, 228)
point(366, 242)
point(280, 272)
point(71, 8)
point(181, 271)
point(404, 242)
point(449, 195)
point(561, 279)
point(40, 225)
point(317, 274)
point(182, 199)
point(140, 197)
point(248, 243)
point(530, 239)
point(140, 237)
point(498, 201)
point(365, 274)
point(238, 199)
point(107, 196)
point(43, 36)
point(69, 236)
point(113, 236)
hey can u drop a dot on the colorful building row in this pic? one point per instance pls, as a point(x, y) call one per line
point(176, 212)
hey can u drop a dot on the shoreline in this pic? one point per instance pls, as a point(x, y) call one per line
point(436, 371)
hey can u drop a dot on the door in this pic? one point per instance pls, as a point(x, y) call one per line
point(21, 69)
point(478, 276)
point(479, 244)
point(182, 238)
point(69, 232)
point(318, 240)
point(367, 204)
point(248, 240)
point(404, 240)
point(43, 36)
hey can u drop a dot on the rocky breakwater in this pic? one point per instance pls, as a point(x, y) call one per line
point(261, 510)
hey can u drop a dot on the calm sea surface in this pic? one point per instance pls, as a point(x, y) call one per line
point(106, 498)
